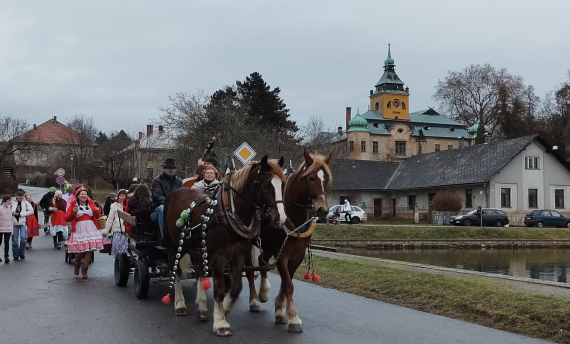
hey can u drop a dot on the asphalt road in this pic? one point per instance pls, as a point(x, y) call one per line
point(43, 302)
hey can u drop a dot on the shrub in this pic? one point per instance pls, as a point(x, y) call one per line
point(447, 200)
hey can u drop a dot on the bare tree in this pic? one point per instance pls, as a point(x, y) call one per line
point(82, 150)
point(110, 160)
point(472, 95)
point(13, 137)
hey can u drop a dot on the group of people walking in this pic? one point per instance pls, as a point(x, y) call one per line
point(72, 217)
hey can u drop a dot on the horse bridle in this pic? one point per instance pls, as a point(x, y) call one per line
point(265, 207)
point(310, 199)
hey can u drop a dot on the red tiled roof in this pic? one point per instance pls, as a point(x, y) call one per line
point(50, 132)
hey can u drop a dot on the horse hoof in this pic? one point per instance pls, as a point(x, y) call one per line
point(223, 332)
point(254, 308)
point(203, 317)
point(181, 311)
point(295, 328)
point(263, 299)
point(280, 320)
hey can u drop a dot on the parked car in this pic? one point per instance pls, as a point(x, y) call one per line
point(546, 218)
point(491, 217)
point(357, 214)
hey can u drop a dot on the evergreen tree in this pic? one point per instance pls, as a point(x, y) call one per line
point(264, 106)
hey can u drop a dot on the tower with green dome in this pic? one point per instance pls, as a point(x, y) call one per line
point(389, 96)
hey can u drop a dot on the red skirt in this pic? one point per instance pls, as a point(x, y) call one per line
point(57, 218)
point(33, 226)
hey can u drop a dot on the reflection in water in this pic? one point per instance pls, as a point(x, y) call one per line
point(546, 264)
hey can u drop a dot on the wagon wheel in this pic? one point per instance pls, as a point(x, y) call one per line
point(121, 269)
point(141, 279)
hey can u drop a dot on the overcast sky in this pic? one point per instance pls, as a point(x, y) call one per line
point(120, 60)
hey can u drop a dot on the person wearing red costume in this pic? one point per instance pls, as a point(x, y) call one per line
point(85, 236)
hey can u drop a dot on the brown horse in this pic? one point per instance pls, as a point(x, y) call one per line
point(257, 190)
point(304, 197)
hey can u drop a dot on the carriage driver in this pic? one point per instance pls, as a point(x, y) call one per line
point(161, 187)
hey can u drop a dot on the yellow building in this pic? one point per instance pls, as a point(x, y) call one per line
point(389, 132)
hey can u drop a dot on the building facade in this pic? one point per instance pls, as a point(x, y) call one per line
point(388, 131)
point(516, 176)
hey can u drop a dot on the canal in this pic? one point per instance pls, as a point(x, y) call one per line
point(549, 264)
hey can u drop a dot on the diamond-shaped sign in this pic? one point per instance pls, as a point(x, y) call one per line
point(244, 153)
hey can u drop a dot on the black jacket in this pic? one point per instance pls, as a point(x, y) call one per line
point(162, 186)
point(45, 202)
point(107, 205)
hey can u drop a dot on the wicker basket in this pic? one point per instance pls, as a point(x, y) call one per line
point(101, 222)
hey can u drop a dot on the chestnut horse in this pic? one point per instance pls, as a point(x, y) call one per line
point(304, 198)
point(257, 195)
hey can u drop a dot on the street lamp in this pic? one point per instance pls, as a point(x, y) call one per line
point(72, 177)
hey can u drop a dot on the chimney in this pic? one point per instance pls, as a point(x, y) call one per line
point(160, 128)
point(348, 116)
point(35, 127)
point(140, 135)
point(339, 129)
point(149, 130)
point(55, 118)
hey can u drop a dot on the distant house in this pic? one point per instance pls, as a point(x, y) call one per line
point(50, 142)
point(516, 175)
point(147, 154)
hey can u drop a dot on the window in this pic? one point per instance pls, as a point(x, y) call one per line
point(437, 147)
point(505, 197)
point(149, 173)
point(44, 157)
point(449, 147)
point(403, 106)
point(377, 106)
point(363, 146)
point(24, 157)
point(351, 146)
point(533, 198)
point(559, 198)
point(400, 148)
point(389, 105)
point(532, 163)
point(555, 213)
point(411, 202)
point(468, 198)
point(374, 146)
point(419, 148)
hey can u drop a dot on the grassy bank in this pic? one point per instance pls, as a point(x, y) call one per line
point(429, 232)
point(101, 195)
point(476, 300)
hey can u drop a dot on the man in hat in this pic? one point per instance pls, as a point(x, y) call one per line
point(162, 186)
point(45, 204)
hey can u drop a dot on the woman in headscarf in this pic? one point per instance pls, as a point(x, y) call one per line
point(33, 224)
point(58, 228)
point(116, 226)
point(85, 236)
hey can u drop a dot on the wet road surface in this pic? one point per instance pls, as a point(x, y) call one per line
point(43, 302)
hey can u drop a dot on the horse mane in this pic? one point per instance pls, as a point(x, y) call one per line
point(318, 163)
point(239, 178)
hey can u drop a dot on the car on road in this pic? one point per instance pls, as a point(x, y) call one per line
point(491, 217)
point(546, 218)
point(357, 214)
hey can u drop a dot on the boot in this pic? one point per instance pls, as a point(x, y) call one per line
point(6, 260)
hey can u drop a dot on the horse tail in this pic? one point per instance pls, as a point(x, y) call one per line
point(186, 267)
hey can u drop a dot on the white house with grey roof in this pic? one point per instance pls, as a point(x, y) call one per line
point(388, 131)
point(516, 175)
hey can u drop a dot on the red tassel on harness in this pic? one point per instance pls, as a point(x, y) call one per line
point(315, 277)
point(206, 284)
point(166, 299)
point(308, 275)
